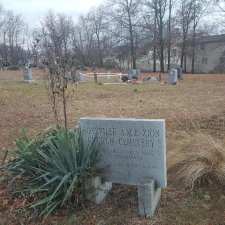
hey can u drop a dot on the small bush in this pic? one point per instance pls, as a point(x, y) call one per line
point(13, 68)
point(41, 67)
point(53, 168)
point(124, 78)
point(135, 90)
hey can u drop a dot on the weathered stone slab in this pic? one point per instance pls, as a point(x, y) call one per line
point(172, 77)
point(28, 74)
point(133, 151)
point(96, 190)
point(148, 198)
point(133, 74)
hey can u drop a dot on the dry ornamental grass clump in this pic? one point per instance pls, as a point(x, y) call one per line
point(204, 162)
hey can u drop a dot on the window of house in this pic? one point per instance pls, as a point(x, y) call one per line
point(204, 60)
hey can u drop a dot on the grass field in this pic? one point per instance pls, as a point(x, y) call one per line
point(196, 104)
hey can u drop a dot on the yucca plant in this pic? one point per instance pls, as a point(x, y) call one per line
point(53, 167)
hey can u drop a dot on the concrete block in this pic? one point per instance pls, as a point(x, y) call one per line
point(148, 198)
point(96, 190)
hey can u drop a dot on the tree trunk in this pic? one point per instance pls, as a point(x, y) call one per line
point(64, 108)
point(161, 41)
point(132, 51)
point(64, 99)
point(154, 59)
point(169, 36)
point(193, 43)
point(185, 63)
point(161, 46)
point(5, 49)
point(193, 54)
point(154, 44)
point(99, 52)
point(182, 53)
point(133, 57)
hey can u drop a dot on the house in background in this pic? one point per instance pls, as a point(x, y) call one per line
point(209, 55)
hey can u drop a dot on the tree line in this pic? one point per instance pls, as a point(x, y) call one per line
point(115, 34)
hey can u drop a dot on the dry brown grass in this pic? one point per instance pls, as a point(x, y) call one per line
point(194, 111)
point(17, 75)
point(203, 163)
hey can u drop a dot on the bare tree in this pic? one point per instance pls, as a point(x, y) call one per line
point(169, 35)
point(57, 33)
point(159, 7)
point(99, 25)
point(12, 33)
point(83, 40)
point(199, 9)
point(185, 14)
point(126, 14)
point(13, 27)
point(150, 31)
point(160, 14)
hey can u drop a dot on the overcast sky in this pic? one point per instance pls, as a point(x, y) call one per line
point(33, 10)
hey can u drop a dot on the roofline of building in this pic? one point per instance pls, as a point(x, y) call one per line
point(210, 39)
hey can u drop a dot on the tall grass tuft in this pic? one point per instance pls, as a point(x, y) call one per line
point(52, 168)
point(204, 162)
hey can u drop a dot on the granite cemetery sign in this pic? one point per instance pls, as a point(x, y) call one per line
point(133, 151)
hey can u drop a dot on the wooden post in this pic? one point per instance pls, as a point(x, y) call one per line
point(95, 77)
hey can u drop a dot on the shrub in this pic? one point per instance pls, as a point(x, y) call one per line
point(124, 78)
point(204, 163)
point(41, 67)
point(13, 67)
point(53, 167)
point(135, 90)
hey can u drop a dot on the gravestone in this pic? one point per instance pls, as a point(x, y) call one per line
point(28, 73)
point(172, 77)
point(82, 77)
point(133, 152)
point(133, 74)
point(76, 76)
point(179, 73)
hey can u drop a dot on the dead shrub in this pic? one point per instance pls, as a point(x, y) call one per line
point(204, 162)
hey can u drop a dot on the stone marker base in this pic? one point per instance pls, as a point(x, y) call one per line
point(148, 198)
point(148, 194)
point(96, 190)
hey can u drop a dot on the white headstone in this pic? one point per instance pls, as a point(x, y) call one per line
point(133, 74)
point(172, 76)
point(28, 73)
point(133, 151)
